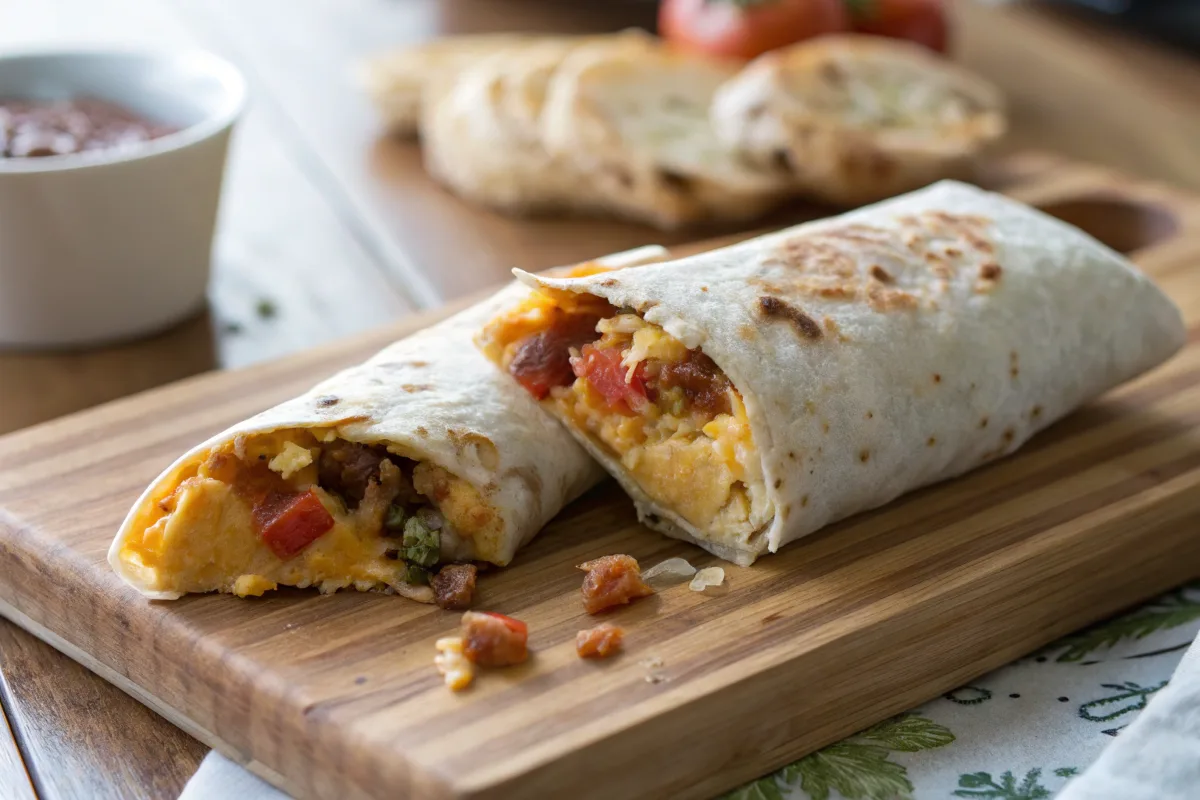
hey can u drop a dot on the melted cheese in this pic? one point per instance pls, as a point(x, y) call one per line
point(705, 467)
point(201, 537)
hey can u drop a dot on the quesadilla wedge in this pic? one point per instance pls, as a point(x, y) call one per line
point(747, 396)
point(376, 479)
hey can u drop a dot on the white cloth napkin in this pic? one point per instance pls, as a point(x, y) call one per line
point(1023, 732)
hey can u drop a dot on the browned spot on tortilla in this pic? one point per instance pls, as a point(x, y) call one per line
point(825, 427)
point(785, 511)
point(864, 455)
point(418, 363)
point(810, 407)
point(778, 482)
point(755, 111)
point(486, 451)
point(609, 282)
point(1013, 362)
point(1009, 435)
point(804, 501)
point(675, 181)
point(937, 377)
point(973, 387)
point(931, 441)
point(413, 388)
point(704, 288)
point(747, 332)
point(646, 306)
point(869, 415)
point(1014, 371)
point(882, 298)
point(422, 431)
point(774, 308)
point(791, 455)
point(990, 271)
point(983, 422)
point(980, 243)
point(830, 325)
point(880, 274)
point(1035, 412)
point(327, 401)
point(953, 252)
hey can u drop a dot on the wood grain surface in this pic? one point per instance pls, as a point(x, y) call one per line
point(863, 620)
point(14, 780)
point(337, 228)
point(79, 747)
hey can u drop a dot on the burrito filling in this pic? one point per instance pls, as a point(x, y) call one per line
point(668, 413)
point(305, 508)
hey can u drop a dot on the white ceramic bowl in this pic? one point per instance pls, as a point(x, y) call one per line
point(108, 245)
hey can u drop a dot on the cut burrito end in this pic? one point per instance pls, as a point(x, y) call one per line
point(639, 397)
point(305, 507)
point(748, 396)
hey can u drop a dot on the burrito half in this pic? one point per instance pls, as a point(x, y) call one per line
point(375, 479)
point(748, 396)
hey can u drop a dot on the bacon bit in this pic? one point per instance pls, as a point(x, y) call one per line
point(701, 380)
point(602, 641)
point(494, 640)
point(542, 361)
point(454, 586)
point(290, 521)
point(612, 581)
point(452, 664)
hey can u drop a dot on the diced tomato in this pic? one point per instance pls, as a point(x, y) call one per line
point(494, 640)
point(290, 521)
point(920, 21)
point(603, 371)
point(514, 625)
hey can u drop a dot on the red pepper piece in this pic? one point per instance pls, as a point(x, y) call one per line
point(290, 521)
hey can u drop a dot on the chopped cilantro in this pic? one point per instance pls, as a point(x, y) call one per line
point(422, 545)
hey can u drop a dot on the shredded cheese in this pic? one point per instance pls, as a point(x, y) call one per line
point(291, 460)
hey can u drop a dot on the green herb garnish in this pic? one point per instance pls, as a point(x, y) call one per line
point(394, 521)
point(422, 545)
point(266, 309)
point(416, 575)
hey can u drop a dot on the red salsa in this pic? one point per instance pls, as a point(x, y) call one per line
point(38, 128)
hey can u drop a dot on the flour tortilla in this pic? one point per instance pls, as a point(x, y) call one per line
point(435, 398)
point(853, 396)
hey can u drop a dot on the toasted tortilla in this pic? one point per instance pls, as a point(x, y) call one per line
point(892, 347)
point(431, 398)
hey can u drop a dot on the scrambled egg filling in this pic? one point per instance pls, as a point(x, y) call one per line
point(393, 520)
point(688, 445)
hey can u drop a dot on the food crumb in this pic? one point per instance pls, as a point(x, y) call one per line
point(669, 572)
point(602, 641)
point(453, 664)
point(612, 581)
point(709, 576)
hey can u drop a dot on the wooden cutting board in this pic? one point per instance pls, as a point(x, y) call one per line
point(337, 697)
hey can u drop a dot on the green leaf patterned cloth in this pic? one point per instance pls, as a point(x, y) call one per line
point(1020, 733)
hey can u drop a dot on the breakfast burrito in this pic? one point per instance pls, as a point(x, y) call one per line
point(386, 476)
point(747, 396)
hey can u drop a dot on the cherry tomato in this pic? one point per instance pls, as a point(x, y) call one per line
point(747, 28)
point(920, 21)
